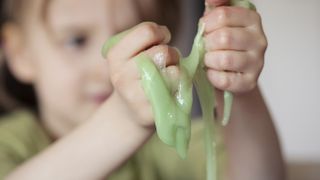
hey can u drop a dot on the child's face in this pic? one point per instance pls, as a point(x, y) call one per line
point(70, 76)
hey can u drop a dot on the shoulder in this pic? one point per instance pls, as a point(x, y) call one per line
point(20, 119)
point(20, 126)
point(21, 137)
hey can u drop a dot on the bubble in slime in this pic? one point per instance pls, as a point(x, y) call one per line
point(171, 99)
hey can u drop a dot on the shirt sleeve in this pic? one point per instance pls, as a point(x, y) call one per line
point(21, 137)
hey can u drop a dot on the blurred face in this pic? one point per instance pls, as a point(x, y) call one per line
point(71, 77)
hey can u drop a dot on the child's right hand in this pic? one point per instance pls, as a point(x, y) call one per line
point(152, 40)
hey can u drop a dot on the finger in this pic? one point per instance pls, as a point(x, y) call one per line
point(235, 61)
point(171, 76)
point(120, 77)
point(229, 16)
point(134, 94)
point(211, 4)
point(227, 38)
point(139, 39)
point(163, 55)
point(230, 81)
point(145, 112)
point(216, 3)
point(130, 87)
point(173, 72)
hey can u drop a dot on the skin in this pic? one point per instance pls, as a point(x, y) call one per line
point(234, 42)
point(171, 102)
point(170, 97)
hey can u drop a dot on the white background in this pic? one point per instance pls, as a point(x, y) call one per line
point(291, 77)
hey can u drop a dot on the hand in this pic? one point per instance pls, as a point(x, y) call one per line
point(150, 39)
point(215, 3)
point(235, 45)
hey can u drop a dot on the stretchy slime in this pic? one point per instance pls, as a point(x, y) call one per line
point(171, 99)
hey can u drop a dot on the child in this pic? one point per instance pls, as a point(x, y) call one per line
point(92, 118)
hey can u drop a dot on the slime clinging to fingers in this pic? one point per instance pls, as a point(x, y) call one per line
point(171, 98)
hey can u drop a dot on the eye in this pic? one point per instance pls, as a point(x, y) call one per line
point(77, 42)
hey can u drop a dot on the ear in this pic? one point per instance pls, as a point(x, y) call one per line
point(16, 53)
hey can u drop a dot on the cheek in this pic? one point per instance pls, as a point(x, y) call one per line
point(58, 85)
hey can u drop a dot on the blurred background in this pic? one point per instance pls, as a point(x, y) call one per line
point(291, 78)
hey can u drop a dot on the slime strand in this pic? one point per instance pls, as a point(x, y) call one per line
point(228, 96)
point(171, 99)
point(228, 99)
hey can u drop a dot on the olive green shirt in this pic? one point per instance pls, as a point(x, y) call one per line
point(22, 137)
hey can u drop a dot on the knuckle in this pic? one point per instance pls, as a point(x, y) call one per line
point(257, 62)
point(263, 43)
point(226, 38)
point(223, 13)
point(252, 82)
point(150, 30)
point(226, 61)
point(150, 25)
point(257, 17)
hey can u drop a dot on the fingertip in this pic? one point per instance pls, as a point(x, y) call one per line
point(166, 33)
point(171, 55)
point(163, 55)
point(173, 72)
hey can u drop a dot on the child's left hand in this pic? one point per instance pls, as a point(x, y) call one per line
point(235, 45)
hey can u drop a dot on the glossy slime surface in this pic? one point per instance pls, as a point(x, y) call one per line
point(171, 99)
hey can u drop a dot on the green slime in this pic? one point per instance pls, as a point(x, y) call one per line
point(171, 100)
